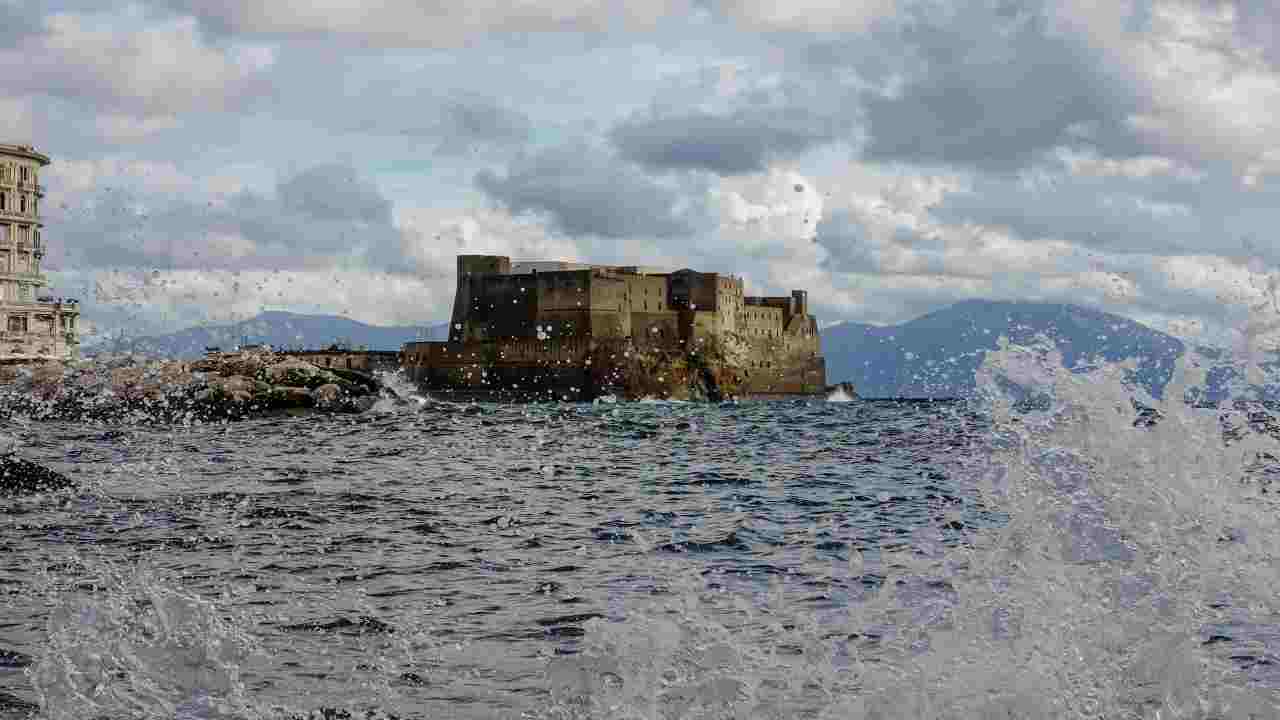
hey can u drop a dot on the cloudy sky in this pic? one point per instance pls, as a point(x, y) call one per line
point(213, 160)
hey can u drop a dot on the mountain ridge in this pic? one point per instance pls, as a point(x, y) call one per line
point(934, 355)
point(278, 328)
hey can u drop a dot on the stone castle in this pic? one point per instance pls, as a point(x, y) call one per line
point(32, 326)
point(573, 331)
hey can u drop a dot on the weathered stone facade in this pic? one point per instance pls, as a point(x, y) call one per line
point(572, 331)
point(365, 361)
point(33, 326)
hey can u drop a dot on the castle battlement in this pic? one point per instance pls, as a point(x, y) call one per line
point(553, 314)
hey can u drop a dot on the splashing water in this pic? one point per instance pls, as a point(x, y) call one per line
point(123, 643)
point(671, 560)
point(840, 395)
point(402, 389)
point(1135, 576)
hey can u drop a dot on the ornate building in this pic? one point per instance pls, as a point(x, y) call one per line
point(33, 326)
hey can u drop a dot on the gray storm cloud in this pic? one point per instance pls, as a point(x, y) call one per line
point(587, 191)
point(1119, 154)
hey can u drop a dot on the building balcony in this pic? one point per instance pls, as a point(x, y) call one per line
point(13, 214)
point(66, 306)
point(24, 277)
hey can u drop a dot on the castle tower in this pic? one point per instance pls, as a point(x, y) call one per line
point(470, 267)
point(32, 327)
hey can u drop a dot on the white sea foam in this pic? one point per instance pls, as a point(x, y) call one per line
point(1134, 577)
point(137, 646)
point(402, 389)
point(839, 395)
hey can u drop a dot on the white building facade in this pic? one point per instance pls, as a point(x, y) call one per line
point(33, 325)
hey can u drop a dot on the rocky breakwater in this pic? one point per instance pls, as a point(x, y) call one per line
point(226, 386)
point(709, 373)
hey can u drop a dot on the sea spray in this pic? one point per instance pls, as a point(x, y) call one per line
point(839, 395)
point(124, 643)
point(401, 389)
point(1133, 576)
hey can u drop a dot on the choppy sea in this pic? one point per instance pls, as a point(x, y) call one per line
point(650, 560)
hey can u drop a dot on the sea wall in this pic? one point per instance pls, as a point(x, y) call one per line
point(365, 361)
point(579, 368)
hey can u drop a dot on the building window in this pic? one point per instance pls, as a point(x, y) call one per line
point(22, 203)
point(17, 323)
point(3, 200)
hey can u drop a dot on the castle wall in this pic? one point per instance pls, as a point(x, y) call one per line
point(702, 324)
point(729, 303)
point(761, 321)
point(609, 316)
point(537, 331)
point(563, 304)
point(655, 327)
point(694, 290)
point(362, 360)
point(465, 301)
point(501, 306)
point(647, 293)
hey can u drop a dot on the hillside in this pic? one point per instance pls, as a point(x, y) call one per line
point(276, 328)
point(936, 355)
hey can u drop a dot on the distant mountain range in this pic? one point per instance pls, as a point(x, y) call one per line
point(931, 356)
point(279, 329)
point(936, 355)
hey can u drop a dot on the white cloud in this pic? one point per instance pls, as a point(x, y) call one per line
point(73, 177)
point(140, 72)
point(169, 299)
point(410, 23)
point(17, 122)
point(1210, 92)
point(435, 237)
point(1089, 163)
point(781, 205)
point(834, 16)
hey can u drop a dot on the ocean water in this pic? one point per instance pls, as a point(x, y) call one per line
point(809, 559)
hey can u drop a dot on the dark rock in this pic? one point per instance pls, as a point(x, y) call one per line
point(360, 626)
point(14, 706)
point(13, 659)
point(23, 477)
